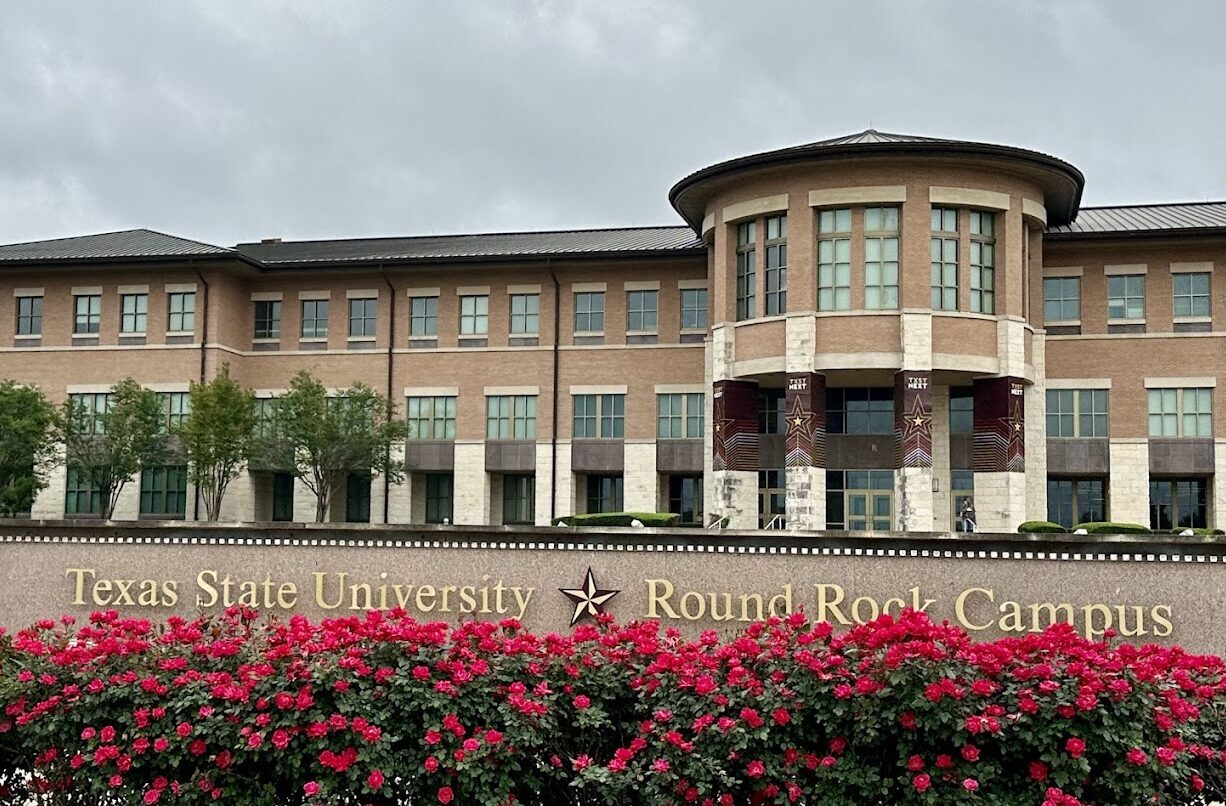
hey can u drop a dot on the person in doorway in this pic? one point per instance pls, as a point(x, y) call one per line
point(967, 514)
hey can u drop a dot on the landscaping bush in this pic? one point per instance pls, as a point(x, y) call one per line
point(381, 709)
point(1199, 531)
point(1108, 528)
point(1041, 527)
point(619, 519)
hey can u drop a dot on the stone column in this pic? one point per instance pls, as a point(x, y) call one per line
point(1217, 516)
point(805, 439)
point(1036, 433)
point(1128, 485)
point(1000, 453)
point(942, 473)
point(913, 426)
point(471, 484)
point(304, 503)
point(642, 484)
point(49, 501)
point(734, 459)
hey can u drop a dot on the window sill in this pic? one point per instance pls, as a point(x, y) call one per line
point(431, 337)
point(265, 341)
point(1064, 323)
point(28, 337)
point(360, 338)
point(313, 340)
point(642, 333)
point(1184, 320)
point(532, 335)
point(586, 333)
point(1140, 321)
point(135, 334)
point(85, 335)
point(177, 333)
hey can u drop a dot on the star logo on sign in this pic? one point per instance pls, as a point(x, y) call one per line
point(589, 599)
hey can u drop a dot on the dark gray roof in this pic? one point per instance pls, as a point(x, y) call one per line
point(1148, 219)
point(581, 243)
point(132, 243)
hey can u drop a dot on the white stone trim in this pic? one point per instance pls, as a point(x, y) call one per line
point(87, 388)
point(689, 284)
point(266, 296)
point(366, 339)
point(969, 197)
point(313, 295)
point(1061, 271)
point(1179, 320)
point(1140, 321)
point(492, 391)
point(86, 290)
point(423, 292)
point(523, 289)
point(1078, 383)
point(1126, 268)
point(431, 391)
point(641, 285)
point(753, 208)
point(312, 339)
point(361, 293)
point(581, 288)
point(180, 288)
point(966, 362)
point(869, 194)
point(756, 366)
point(1188, 268)
point(269, 393)
point(28, 292)
point(599, 389)
point(708, 224)
point(680, 388)
point(1181, 383)
point(133, 289)
point(1035, 210)
point(1064, 323)
point(472, 291)
point(825, 361)
point(167, 387)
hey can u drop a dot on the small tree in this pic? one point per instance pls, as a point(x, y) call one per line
point(110, 447)
point(331, 436)
point(27, 446)
point(217, 437)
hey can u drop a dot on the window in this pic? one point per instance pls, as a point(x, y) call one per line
point(834, 260)
point(357, 497)
point(1061, 299)
point(518, 498)
point(1191, 294)
point(772, 411)
point(1126, 296)
point(604, 494)
point(679, 416)
point(525, 314)
point(1074, 501)
point(268, 319)
point(88, 310)
point(510, 417)
point(772, 499)
point(474, 315)
point(860, 500)
point(266, 417)
point(1181, 412)
point(693, 309)
point(600, 416)
point(314, 319)
point(961, 410)
point(438, 497)
point(81, 496)
point(983, 262)
point(29, 316)
point(181, 307)
point(641, 311)
point(282, 497)
point(776, 265)
point(90, 407)
point(961, 488)
point(746, 269)
point(1177, 503)
point(860, 411)
point(133, 313)
point(881, 258)
point(685, 497)
point(431, 417)
point(589, 312)
point(423, 316)
point(944, 259)
point(362, 318)
point(163, 491)
point(175, 408)
point(1077, 413)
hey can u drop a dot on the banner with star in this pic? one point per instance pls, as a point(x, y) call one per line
point(1000, 425)
point(913, 418)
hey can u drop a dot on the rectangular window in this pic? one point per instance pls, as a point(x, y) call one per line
point(438, 497)
point(746, 269)
point(642, 311)
point(431, 417)
point(983, 262)
point(772, 411)
point(834, 260)
point(944, 250)
point(599, 416)
point(1180, 412)
point(1061, 299)
point(314, 318)
point(265, 412)
point(474, 315)
point(525, 314)
point(1191, 294)
point(1074, 501)
point(961, 491)
point(163, 491)
point(693, 309)
point(881, 258)
point(518, 498)
point(81, 496)
point(175, 408)
point(362, 318)
point(860, 500)
point(423, 316)
point(589, 312)
point(860, 411)
point(510, 417)
point(1126, 296)
point(685, 497)
point(268, 319)
point(88, 314)
point(1178, 504)
point(604, 494)
point(282, 497)
point(181, 308)
point(679, 415)
point(776, 265)
point(961, 410)
point(29, 316)
point(357, 497)
point(133, 313)
point(1077, 413)
point(90, 407)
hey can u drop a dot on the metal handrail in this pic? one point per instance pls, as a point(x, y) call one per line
point(777, 522)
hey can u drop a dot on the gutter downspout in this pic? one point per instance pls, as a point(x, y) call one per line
point(391, 343)
point(204, 340)
point(553, 431)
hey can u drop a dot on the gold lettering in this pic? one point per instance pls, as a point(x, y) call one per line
point(783, 599)
point(204, 581)
point(170, 593)
point(78, 588)
point(424, 593)
point(1087, 612)
point(960, 607)
point(148, 593)
point(102, 586)
point(1011, 621)
point(824, 604)
point(758, 604)
point(444, 592)
point(699, 609)
point(287, 595)
point(655, 598)
point(468, 601)
point(354, 590)
point(320, 601)
point(522, 601)
point(1052, 610)
point(873, 610)
point(715, 614)
point(1135, 631)
point(1161, 614)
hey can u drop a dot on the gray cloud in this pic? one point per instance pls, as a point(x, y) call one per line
point(231, 120)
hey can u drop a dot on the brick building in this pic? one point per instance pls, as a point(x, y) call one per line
point(859, 333)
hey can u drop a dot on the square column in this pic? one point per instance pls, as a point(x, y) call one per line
point(805, 440)
point(470, 485)
point(641, 483)
point(734, 459)
point(913, 425)
point(1000, 453)
point(1128, 484)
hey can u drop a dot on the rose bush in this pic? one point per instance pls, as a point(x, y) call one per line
point(382, 709)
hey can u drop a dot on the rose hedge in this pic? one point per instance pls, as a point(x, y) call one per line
point(384, 710)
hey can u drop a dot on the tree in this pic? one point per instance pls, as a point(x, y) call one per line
point(27, 446)
point(217, 437)
point(328, 437)
point(109, 447)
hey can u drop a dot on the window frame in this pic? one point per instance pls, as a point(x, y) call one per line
point(474, 315)
point(589, 311)
point(944, 296)
point(1079, 486)
point(89, 322)
point(775, 266)
point(648, 316)
point(877, 413)
point(693, 313)
point(518, 412)
point(834, 242)
point(134, 322)
point(1181, 413)
point(176, 407)
point(1062, 301)
point(611, 488)
point(527, 321)
point(1125, 298)
point(267, 319)
point(605, 413)
point(680, 415)
point(313, 306)
point(158, 497)
point(1076, 413)
point(29, 312)
point(423, 323)
point(424, 409)
point(363, 318)
point(439, 497)
point(982, 226)
point(518, 499)
point(882, 239)
point(177, 306)
point(95, 405)
point(746, 270)
point(1191, 295)
point(74, 488)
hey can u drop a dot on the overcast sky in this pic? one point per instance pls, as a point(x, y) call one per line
point(233, 120)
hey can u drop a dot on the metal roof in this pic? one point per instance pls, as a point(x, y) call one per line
point(589, 243)
point(1147, 219)
point(132, 243)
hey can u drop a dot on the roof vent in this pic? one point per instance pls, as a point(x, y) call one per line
point(270, 240)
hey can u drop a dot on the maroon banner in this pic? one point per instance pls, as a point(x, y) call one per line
point(1000, 425)
point(735, 430)
point(805, 437)
point(913, 417)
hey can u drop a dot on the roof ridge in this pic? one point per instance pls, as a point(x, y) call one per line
point(470, 234)
point(1150, 204)
point(181, 238)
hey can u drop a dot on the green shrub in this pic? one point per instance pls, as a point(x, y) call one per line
point(1199, 532)
point(1109, 528)
point(1041, 527)
point(619, 519)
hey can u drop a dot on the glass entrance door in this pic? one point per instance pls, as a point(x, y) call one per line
point(869, 510)
point(772, 498)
